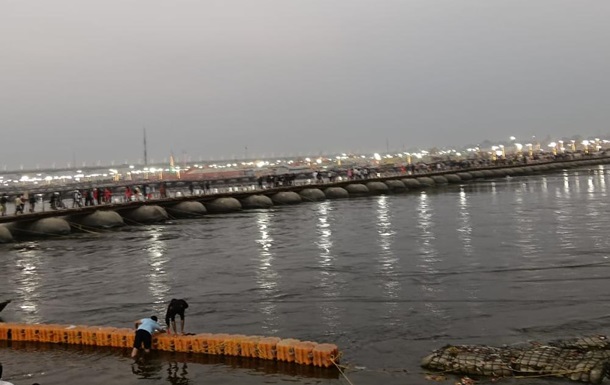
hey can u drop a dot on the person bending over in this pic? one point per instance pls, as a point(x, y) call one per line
point(145, 329)
point(175, 307)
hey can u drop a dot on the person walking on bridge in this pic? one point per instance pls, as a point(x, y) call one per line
point(77, 199)
point(107, 195)
point(19, 204)
point(99, 196)
point(128, 194)
point(32, 201)
point(89, 197)
point(3, 202)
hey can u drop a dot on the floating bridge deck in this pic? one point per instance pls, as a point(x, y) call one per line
point(486, 172)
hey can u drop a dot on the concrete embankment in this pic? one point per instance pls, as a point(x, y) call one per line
point(59, 223)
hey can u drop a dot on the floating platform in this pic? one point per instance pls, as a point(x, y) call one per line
point(236, 345)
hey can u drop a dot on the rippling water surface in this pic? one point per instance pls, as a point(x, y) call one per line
point(386, 278)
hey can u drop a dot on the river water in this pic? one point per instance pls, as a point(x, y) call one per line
point(386, 278)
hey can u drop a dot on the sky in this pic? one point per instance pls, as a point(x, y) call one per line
point(228, 79)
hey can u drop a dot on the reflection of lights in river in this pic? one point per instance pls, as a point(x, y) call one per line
point(325, 236)
point(157, 276)
point(425, 226)
point(28, 283)
point(426, 238)
point(564, 214)
point(465, 229)
point(596, 205)
point(327, 276)
point(577, 182)
point(266, 276)
point(590, 187)
point(566, 184)
point(472, 288)
point(545, 186)
point(524, 224)
point(386, 235)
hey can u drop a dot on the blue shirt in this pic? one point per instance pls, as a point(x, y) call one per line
point(149, 325)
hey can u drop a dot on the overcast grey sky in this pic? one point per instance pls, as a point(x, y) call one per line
point(210, 77)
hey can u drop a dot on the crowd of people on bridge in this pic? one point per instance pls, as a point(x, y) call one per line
point(115, 194)
point(20, 200)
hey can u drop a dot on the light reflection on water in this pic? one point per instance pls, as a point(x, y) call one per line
point(577, 176)
point(326, 263)
point(564, 213)
point(544, 186)
point(266, 275)
point(523, 220)
point(590, 187)
point(597, 206)
point(428, 255)
point(566, 185)
point(465, 229)
point(426, 233)
point(29, 282)
point(158, 285)
point(387, 257)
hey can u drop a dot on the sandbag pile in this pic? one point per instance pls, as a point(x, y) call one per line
point(584, 359)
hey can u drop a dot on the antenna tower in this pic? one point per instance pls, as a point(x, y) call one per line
point(145, 153)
